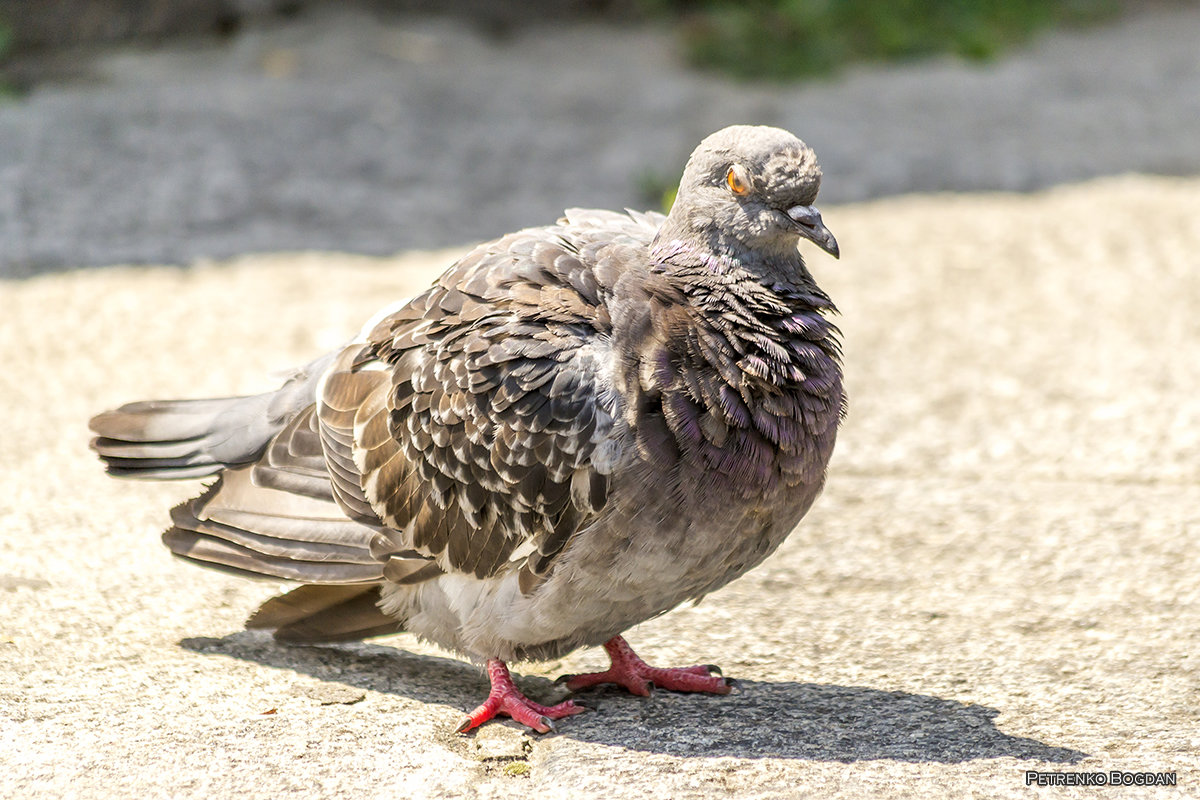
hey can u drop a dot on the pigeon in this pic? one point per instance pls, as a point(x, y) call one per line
point(576, 428)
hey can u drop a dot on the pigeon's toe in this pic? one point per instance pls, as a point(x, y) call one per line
point(506, 698)
point(640, 678)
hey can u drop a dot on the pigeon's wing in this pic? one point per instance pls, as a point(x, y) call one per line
point(278, 517)
point(480, 417)
point(472, 430)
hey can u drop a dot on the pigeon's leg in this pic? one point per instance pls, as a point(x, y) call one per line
point(505, 698)
point(639, 677)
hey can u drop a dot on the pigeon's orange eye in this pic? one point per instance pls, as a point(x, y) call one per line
point(736, 183)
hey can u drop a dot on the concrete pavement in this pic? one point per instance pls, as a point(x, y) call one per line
point(1001, 576)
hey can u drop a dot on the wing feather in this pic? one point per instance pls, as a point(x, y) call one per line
point(462, 426)
point(497, 396)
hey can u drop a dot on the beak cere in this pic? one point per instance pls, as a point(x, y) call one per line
point(809, 224)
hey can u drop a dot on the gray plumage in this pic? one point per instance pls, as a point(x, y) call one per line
point(576, 428)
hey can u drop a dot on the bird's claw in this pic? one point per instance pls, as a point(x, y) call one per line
point(505, 698)
point(640, 678)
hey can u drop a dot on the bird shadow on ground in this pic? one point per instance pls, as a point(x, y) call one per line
point(780, 719)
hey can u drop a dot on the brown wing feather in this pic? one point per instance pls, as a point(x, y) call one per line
point(472, 415)
point(467, 423)
point(278, 517)
point(240, 525)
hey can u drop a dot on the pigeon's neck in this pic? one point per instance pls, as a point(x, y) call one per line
point(763, 313)
point(766, 319)
point(697, 267)
point(693, 233)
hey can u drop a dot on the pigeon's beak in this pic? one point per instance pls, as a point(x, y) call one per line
point(808, 222)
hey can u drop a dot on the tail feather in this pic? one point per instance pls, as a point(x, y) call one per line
point(172, 439)
point(325, 614)
point(165, 452)
point(161, 420)
point(151, 463)
point(142, 470)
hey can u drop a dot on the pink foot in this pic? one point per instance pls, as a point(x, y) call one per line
point(505, 698)
point(639, 677)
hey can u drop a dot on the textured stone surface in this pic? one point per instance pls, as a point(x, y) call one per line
point(1001, 575)
point(350, 132)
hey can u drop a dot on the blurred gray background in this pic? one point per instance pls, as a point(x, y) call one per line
point(173, 130)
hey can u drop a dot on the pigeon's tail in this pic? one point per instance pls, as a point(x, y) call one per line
point(325, 614)
point(174, 439)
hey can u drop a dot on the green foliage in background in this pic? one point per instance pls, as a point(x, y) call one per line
point(7, 90)
point(656, 190)
point(6, 38)
point(783, 39)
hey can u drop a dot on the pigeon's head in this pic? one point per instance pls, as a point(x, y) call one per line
point(751, 188)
